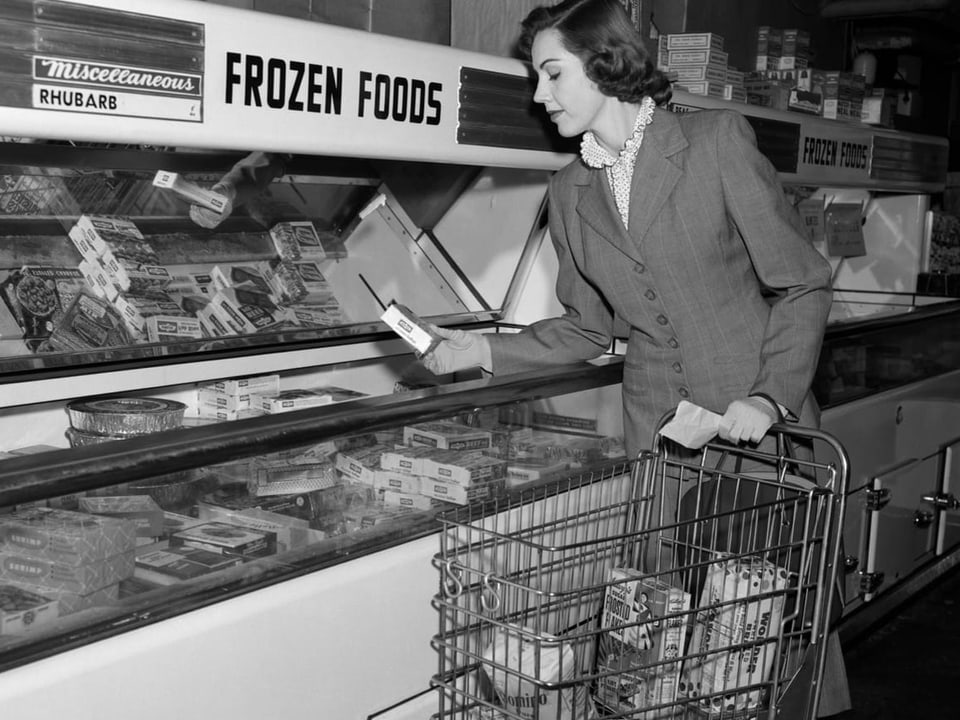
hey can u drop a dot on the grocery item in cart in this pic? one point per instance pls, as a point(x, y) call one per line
point(516, 654)
point(735, 633)
point(645, 625)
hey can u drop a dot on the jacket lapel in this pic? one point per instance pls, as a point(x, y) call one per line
point(654, 176)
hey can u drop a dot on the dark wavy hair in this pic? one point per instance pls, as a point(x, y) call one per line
point(600, 33)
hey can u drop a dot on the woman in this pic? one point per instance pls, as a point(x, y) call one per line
point(672, 229)
point(669, 228)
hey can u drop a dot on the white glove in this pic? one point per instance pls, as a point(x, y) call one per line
point(747, 419)
point(205, 217)
point(457, 351)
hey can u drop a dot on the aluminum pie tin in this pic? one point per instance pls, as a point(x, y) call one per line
point(125, 416)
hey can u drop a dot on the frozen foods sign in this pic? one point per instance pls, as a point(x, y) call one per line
point(98, 87)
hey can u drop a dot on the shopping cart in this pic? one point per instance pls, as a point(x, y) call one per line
point(682, 584)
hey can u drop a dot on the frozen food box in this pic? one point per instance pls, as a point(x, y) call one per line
point(300, 240)
point(37, 296)
point(227, 539)
point(447, 435)
point(239, 387)
point(63, 575)
point(395, 481)
point(298, 399)
point(463, 468)
point(142, 510)
point(88, 323)
point(23, 610)
point(460, 494)
point(408, 325)
point(645, 621)
point(406, 459)
point(171, 328)
point(407, 501)
point(735, 635)
point(65, 536)
point(164, 565)
point(362, 463)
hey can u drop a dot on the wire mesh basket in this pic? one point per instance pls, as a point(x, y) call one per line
point(683, 584)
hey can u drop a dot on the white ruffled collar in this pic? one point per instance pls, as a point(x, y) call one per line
point(596, 156)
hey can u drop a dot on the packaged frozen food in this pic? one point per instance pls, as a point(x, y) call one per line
point(23, 610)
point(447, 435)
point(227, 539)
point(162, 564)
point(409, 326)
point(141, 510)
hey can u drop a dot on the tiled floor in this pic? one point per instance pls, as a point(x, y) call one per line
point(909, 666)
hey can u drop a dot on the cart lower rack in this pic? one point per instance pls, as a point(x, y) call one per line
point(682, 585)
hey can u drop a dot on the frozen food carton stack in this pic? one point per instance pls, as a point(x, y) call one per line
point(226, 399)
point(645, 621)
point(118, 246)
point(697, 62)
point(843, 94)
point(299, 399)
point(71, 556)
point(735, 635)
point(462, 477)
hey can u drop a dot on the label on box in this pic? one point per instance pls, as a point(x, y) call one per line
point(167, 328)
point(408, 325)
point(694, 41)
point(22, 610)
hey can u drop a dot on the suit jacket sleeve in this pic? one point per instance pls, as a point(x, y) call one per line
point(584, 331)
point(785, 262)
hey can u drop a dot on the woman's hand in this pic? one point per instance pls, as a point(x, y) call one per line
point(205, 217)
point(458, 350)
point(748, 419)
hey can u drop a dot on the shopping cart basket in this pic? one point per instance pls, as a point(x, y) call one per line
point(682, 584)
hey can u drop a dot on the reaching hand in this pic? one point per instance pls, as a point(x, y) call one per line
point(205, 217)
point(458, 350)
point(747, 419)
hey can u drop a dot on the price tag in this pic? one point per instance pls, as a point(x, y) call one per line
point(844, 230)
point(811, 213)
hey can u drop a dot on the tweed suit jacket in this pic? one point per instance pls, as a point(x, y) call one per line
point(716, 285)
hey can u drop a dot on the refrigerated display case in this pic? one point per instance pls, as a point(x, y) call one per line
point(422, 172)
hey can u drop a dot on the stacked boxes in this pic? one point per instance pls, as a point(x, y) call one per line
point(843, 94)
point(74, 557)
point(697, 62)
point(233, 399)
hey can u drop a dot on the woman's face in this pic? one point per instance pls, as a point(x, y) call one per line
point(571, 99)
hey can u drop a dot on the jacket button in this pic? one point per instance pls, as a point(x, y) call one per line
point(677, 367)
point(662, 319)
point(639, 268)
point(651, 295)
point(672, 342)
point(684, 393)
